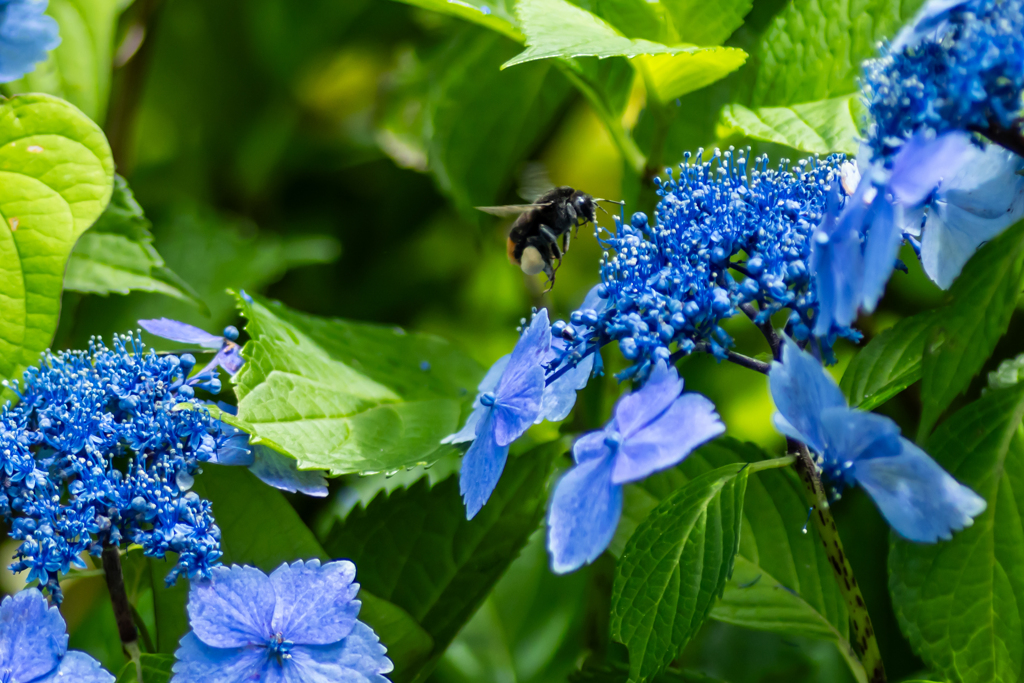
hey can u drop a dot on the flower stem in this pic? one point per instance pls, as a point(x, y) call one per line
point(862, 633)
point(122, 607)
point(733, 357)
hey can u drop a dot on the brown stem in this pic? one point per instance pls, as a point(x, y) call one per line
point(118, 595)
point(862, 633)
point(1008, 138)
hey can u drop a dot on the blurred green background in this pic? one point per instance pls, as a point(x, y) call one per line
point(328, 153)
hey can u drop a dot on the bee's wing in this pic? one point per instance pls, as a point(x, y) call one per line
point(534, 181)
point(511, 209)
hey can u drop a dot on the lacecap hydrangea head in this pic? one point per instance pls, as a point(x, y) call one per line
point(101, 449)
point(724, 237)
point(956, 66)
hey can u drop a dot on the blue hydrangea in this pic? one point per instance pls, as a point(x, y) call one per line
point(725, 237)
point(298, 625)
point(919, 499)
point(34, 645)
point(509, 401)
point(959, 66)
point(652, 429)
point(26, 35)
point(228, 355)
point(102, 449)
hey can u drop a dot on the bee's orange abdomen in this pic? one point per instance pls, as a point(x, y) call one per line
point(510, 248)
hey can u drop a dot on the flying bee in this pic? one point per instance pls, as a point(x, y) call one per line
point(541, 233)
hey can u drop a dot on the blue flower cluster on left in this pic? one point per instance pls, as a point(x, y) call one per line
point(101, 449)
point(26, 35)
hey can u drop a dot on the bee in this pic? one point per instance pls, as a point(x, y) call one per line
point(541, 233)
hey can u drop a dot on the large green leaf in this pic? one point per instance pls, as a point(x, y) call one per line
point(961, 602)
point(56, 177)
point(782, 581)
point(156, 668)
point(813, 50)
point(888, 364)
point(672, 76)
point(675, 566)
point(259, 527)
point(416, 548)
point(706, 23)
point(349, 397)
point(117, 255)
point(820, 127)
point(981, 303)
point(79, 70)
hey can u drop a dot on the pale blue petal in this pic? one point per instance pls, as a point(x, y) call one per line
point(560, 396)
point(931, 21)
point(801, 389)
point(591, 445)
point(200, 663)
point(922, 163)
point(493, 376)
point(316, 603)
point(882, 246)
point(585, 511)
point(228, 357)
point(78, 667)
point(919, 499)
point(282, 472)
point(181, 332)
point(359, 658)
point(481, 468)
point(854, 434)
point(634, 411)
point(233, 608)
point(26, 35)
point(488, 384)
point(234, 450)
point(984, 198)
point(33, 636)
point(518, 402)
point(837, 261)
point(690, 421)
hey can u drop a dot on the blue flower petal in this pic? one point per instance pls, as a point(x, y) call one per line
point(488, 384)
point(282, 472)
point(980, 201)
point(634, 411)
point(837, 260)
point(316, 603)
point(851, 435)
point(585, 510)
point(78, 667)
point(930, 22)
point(518, 394)
point(234, 448)
point(922, 163)
point(690, 421)
point(233, 608)
point(560, 396)
point(481, 468)
point(881, 247)
point(33, 636)
point(801, 389)
point(359, 658)
point(198, 662)
point(591, 445)
point(26, 35)
point(919, 499)
point(181, 332)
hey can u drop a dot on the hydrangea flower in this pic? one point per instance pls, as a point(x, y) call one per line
point(26, 35)
point(652, 429)
point(98, 452)
point(297, 625)
point(509, 401)
point(725, 237)
point(918, 498)
point(228, 354)
point(34, 644)
point(959, 66)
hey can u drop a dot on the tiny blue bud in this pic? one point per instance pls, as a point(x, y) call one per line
point(231, 333)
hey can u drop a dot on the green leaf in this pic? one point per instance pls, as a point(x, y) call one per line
point(259, 528)
point(496, 15)
point(79, 70)
point(813, 50)
point(981, 302)
point(672, 76)
point(349, 397)
point(633, 18)
point(618, 673)
point(156, 668)
point(1009, 373)
point(117, 255)
point(58, 175)
point(706, 23)
point(888, 364)
point(675, 566)
point(782, 581)
point(556, 28)
point(961, 602)
point(416, 548)
point(820, 127)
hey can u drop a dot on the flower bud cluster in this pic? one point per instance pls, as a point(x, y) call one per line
point(101, 449)
point(724, 237)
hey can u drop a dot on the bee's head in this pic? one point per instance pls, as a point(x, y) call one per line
point(584, 205)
